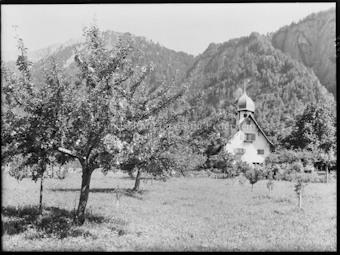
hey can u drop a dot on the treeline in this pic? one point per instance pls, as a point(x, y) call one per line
point(279, 85)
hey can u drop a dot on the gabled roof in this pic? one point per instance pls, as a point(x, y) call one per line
point(257, 124)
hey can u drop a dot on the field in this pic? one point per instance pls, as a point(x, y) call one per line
point(181, 214)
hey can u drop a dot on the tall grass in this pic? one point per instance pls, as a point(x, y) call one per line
point(182, 214)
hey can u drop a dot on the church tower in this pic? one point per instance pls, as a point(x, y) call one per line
point(246, 107)
point(248, 141)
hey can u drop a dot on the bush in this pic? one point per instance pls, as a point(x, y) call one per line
point(305, 177)
point(309, 168)
point(242, 167)
point(216, 170)
point(253, 175)
point(223, 161)
point(297, 167)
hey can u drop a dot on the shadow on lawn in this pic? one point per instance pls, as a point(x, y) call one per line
point(126, 192)
point(54, 222)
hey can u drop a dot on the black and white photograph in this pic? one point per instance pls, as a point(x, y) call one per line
point(169, 127)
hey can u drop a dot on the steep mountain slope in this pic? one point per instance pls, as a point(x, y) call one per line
point(279, 85)
point(283, 69)
point(312, 41)
point(162, 57)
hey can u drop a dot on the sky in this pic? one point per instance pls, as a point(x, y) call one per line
point(181, 27)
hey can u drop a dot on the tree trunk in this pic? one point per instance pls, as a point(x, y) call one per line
point(41, 193)
point(252, 186)
point(270, 191)
point(137, 183)
point(131, 174)
point(326, 174)
point(84, 195)
point(300, 199)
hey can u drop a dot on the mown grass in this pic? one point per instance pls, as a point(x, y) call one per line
point(181, 214)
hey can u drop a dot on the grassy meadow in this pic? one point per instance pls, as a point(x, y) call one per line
point(180, 214)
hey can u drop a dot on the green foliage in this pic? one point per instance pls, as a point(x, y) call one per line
point(309, 168)
point(223, 161)
point(242, 167)
point(186, 160)
point(284, 161)
point(18, 169)
point(279, 85)
point(315, 128)
point(109, 116)
point(30, 116)
point(297, 167)
point(61, 172)
point(253, 175)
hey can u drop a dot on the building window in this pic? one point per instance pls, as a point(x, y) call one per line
point(260, 152)
point(250, 137)
point(239, 151)
point(248, 126)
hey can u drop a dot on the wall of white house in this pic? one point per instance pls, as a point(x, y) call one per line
point(251, 148)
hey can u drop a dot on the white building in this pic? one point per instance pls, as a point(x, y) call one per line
point(248, 141)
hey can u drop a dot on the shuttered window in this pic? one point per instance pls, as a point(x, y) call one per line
point(250, 137)
point(260, 152)
point(239, 151)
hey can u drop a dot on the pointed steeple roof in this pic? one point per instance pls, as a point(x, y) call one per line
point(245, 103)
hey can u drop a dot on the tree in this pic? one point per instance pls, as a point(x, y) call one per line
point(298, 189)
point(29, 118)
point(253, 175)
point(315, 127)
point(112, 117)
point(106, 116)
point(315, 130)
point(226, 162)
point(211, 134)
point(270, 186)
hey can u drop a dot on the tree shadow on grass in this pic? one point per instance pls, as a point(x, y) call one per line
point(54, 222)
point(127, 192)
point(78, 190)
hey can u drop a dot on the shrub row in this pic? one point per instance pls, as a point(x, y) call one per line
point(306, 177)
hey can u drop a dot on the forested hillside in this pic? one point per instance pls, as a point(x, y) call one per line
point(312, 41)
point(285, 69)
point(146, 51)
point(279, 85)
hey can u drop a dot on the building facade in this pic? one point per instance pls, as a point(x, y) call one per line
point(248, 141)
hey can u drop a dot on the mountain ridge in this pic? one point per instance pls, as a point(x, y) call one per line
point(281, 83)
point(311, 41)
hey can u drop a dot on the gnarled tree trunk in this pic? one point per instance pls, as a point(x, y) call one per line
point(137, 182)
point(84, 195)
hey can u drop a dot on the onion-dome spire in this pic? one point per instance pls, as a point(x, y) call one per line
point(245, 103)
